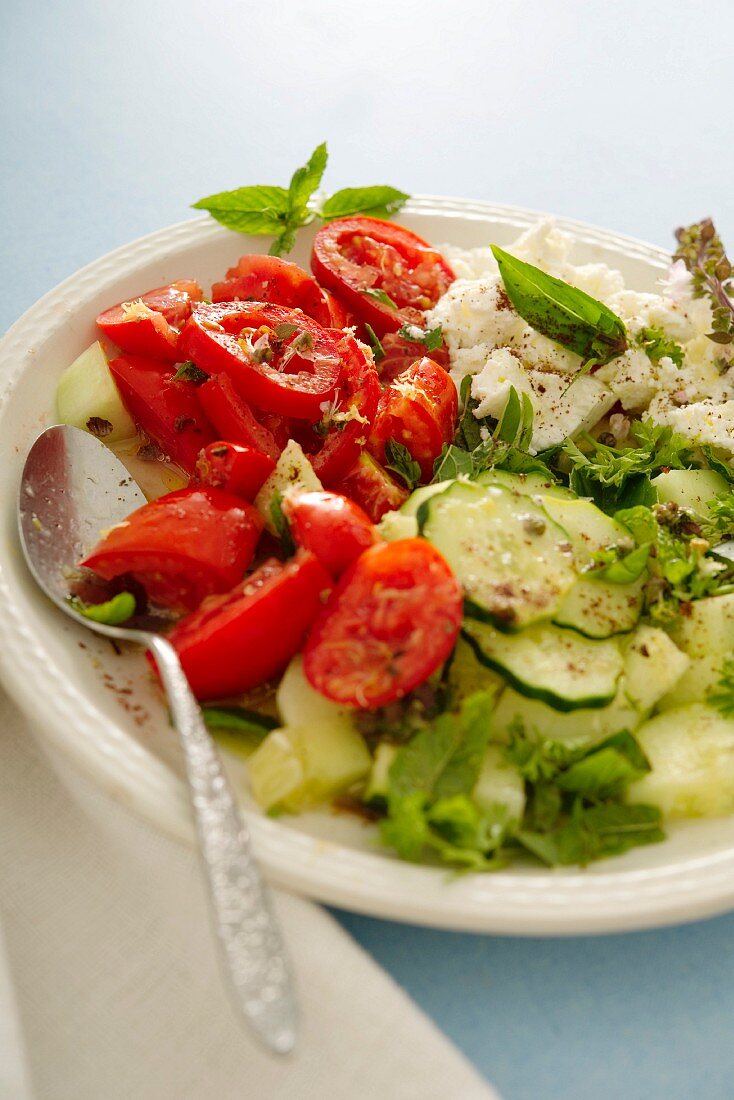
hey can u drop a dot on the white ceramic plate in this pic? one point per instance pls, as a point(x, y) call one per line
point(99, 715)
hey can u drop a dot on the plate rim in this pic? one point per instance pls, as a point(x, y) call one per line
point(504, 902)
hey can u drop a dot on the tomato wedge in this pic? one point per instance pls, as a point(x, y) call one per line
point(182, 547)
point(386, 275)
point(399, 354)
point(332, 527)
point(236, 469)
point(419, 410)
point(371, 486)
point(278, 359)
point(168, 410)
point(354, 410)
point(270, 279)
point(392, 619)
point(233, 418)
point(148, 325)
point(250, 634)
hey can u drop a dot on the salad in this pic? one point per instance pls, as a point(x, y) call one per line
point(445, 536)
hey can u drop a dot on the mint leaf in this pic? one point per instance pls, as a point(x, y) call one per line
point(189, 372)
point(380, 296)
point(601, 774)
point(560, 311)
point(111, 613)
point(305, 180)
point(378, 352)
point(430, 338)
point(284, 241)
point(399, 459)
point(378, 201)
point(255, 210)
point(237, 719)
point(452, 462)
point(595, 832)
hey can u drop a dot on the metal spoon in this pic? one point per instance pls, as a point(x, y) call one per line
point(73, 488)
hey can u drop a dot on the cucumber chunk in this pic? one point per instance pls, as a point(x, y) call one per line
point(706, 635)
point(301, 705)
point(396, 525)
point(556, 666)
point(690, 489)
point(514, 564)
point(691, 751)
point(583, 727)
point(86, 391)
point(375, 793)
point(653, 665)
point(293, 471)
point(499, 784)
point(593, 607)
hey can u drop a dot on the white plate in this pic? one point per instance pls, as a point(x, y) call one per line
point(97, 710)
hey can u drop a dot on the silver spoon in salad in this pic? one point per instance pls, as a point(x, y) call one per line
point(72, 488)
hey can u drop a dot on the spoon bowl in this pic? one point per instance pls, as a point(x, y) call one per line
point(72, 489)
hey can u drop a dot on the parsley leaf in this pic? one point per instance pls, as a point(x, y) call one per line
point(399, 459)
point(378, 201)
point(562, 312)
point(657, 345)
point(111, 613)
point(430, 338)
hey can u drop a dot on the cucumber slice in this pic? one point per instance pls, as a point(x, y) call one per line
point(301, 705)
point(418, 496)
point(691, 750)
point(375, 793)
point(466, 674)
point(499, 784)
point(653, 665)
point(706, 635)
point(86, 390)
point(690, 489)
point(532, 484)
point(594, 608)
point(583, 727)
point(514, 564)
point(557, 666)
point(396, 525)
point(293, 471)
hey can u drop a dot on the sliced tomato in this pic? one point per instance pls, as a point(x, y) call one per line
point(419, 410)
point(332, 527)
point(270, 279)
point(386, 275)
point(148, 325)
point(340, 317)
point(234, 468)
point(182, 547)
point(399, 354)
point(371, 486)
point(354, 410)
point(249, 635)
point(233, 418)
point(278, 359)
point(392, 619)
point(166, 409)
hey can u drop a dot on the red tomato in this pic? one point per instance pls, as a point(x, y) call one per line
point(401, 354)
point(361, 259)
point(332, 527)
point(233, 418)
point(249, 635)
point(168, 411)
point(278, 359)
point(392, 619)
point(356, 405)
point(340, 315)
point(270, 279)
point(419, 410)
point(370, 486)
point(152, 330)
point(183, 546)
point(236, 469)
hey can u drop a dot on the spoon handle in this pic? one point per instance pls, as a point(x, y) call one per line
point(255, 955)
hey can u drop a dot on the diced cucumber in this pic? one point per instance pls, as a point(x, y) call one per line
point(87, 392)
point(293, 471)
point(531, 484)
point(691, 751)
point(514, 564)
point(559, 667)
point(467, 674)
point(418, 496)
point(690, 489)
point(578, 727)
point(301, 705)
point(397, 525)
point(706, 635)
point(653, 664)
point(593, 607)
point(499, 784)
point(375, 793)
point(299, 766)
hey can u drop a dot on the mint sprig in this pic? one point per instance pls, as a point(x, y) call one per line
point(263, 210)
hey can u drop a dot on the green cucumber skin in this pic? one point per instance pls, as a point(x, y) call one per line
point(550, 698)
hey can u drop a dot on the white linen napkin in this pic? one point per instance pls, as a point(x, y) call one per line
point(117, 980)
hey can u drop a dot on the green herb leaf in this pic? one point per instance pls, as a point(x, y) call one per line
point(380, 296)
point(658, 345)
point(378, 201)
point(255, 210)
point(468, 434)
point(305, 180)
point(601, 774)
point(112, 612)
point(399, 459)
point(722, 697)
point(453, 829)
point(595, 832)
point(378, 352)
point(281, 524)
point(452, 462)
point(430, 338)
point(618, 567)
point(237, 719)
point(718, 465)
point(189, 372)
point(560, 311)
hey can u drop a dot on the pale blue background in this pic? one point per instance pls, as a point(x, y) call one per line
point(115, 116)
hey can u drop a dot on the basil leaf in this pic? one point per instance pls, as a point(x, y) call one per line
point(468, 434)
point(112, 612)
point(717, 464)
point(305, 180)
point(378, 352)
point(380, 296)
point(399, 459)
point(379, 201)
point(452, 462)
point(430, 338)
point(560, 311)
point(255, 210)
